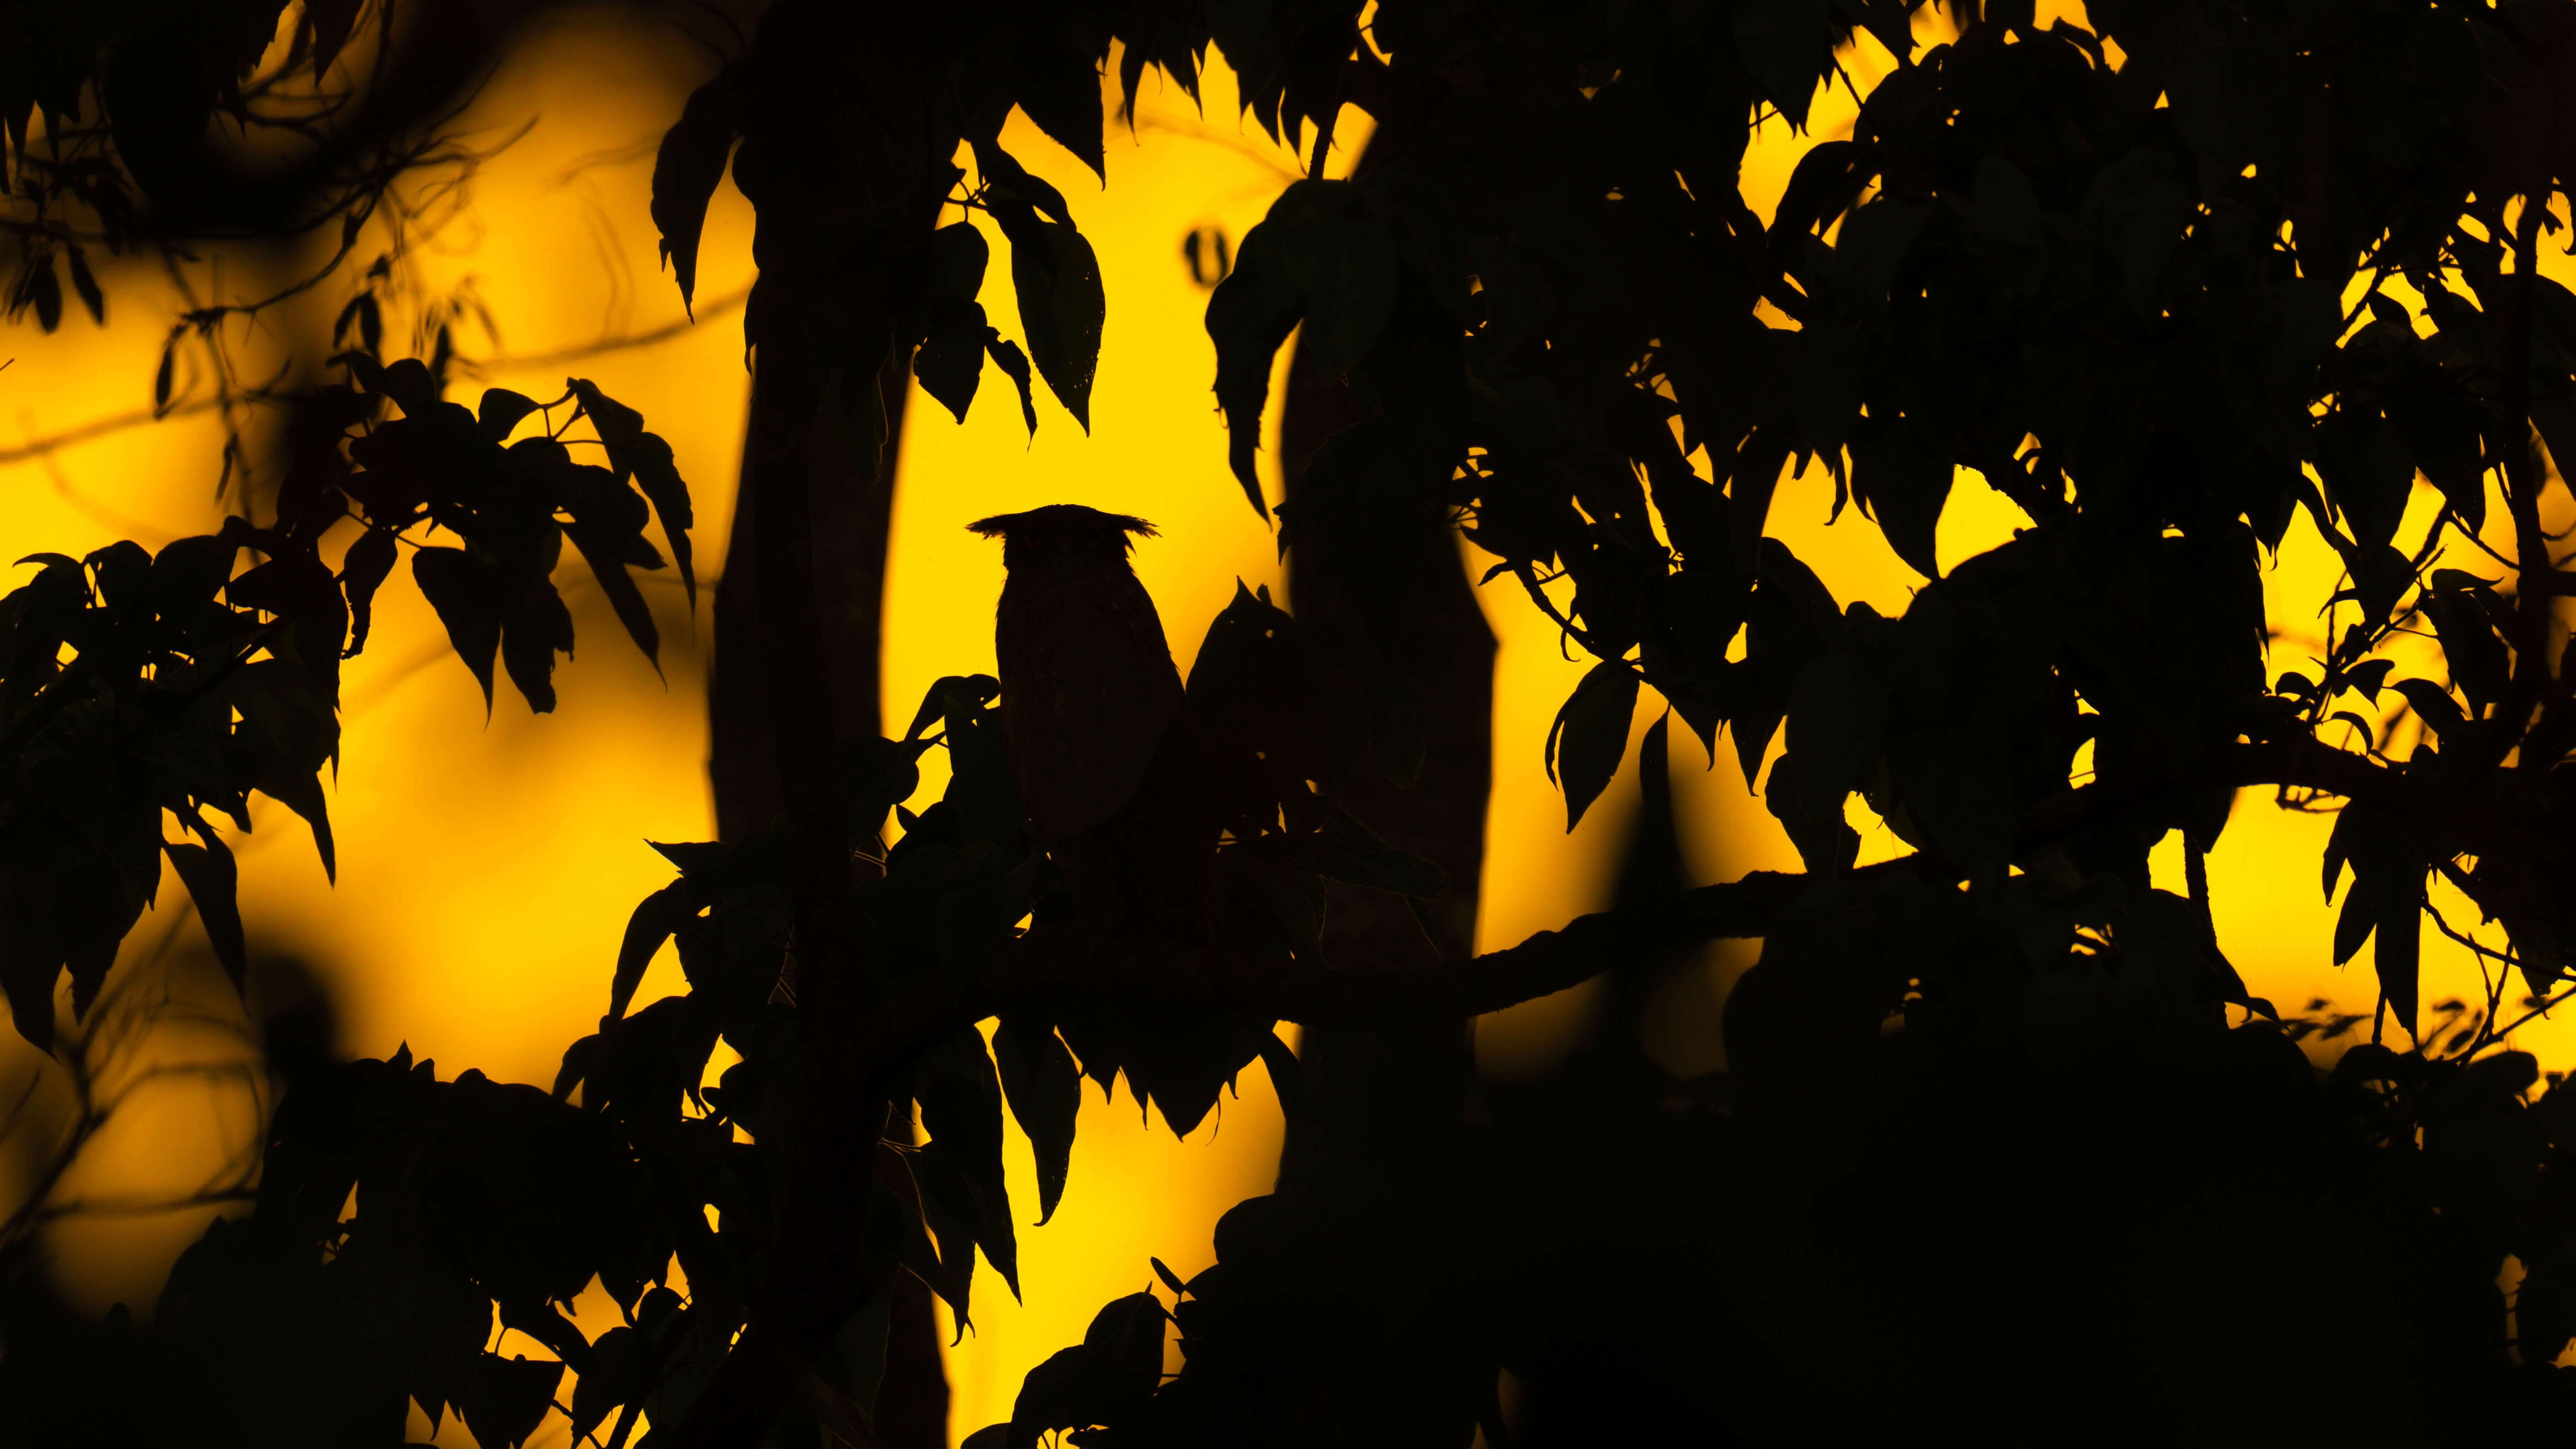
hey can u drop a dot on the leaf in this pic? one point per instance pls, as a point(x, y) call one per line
point(535, 627)
point(876, 776)
point(1061, 307)
point(2544, 1308)
point(1781, 42)
point(950, 361)
point(1249, 318)
point(1590, 736)
point(408, 381)
point(605, 554)
point(1059, 88)
point(87, 286)
point(1827, 845)
point(289, 717)
point(656, 917)
point(958, 257)
point(212, 880)
point(2434, 706)
point(189, 570)
point(163, 375)
point(1045, 1091)
point(619, 1373)
point(2386, 900)
point(2396, 951)
point(466, 592)
point(2367, 474)
point(1903, 481)
point(504, 1400)
point(39, 288)
point(961, 1107)
point(686, 170)
point(657, 472)
point(1112, 1373)
point(619, 425)
point(363, 570)
point(501, 412)
point(1170, 1279)
point(1015, 365)
point(2480, 663)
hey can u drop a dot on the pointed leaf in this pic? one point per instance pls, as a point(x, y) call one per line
point(1590, 736)
point(1015, 365)
point(656, 917)
point(1045, 1091)
point(1061, 308)
point(212, 880)
point(362, 571)
point(657, 472)
point(686, 171)
point(501, 411)
point(950, 361)
point(466, 592)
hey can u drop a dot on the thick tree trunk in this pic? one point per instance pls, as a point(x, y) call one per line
point(850, 507)
point(1376, 1150)
point(851, 510)
point(1384, 1107)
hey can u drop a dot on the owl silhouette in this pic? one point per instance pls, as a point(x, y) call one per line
point(1093, 720)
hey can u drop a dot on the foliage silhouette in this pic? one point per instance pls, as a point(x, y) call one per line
point(2001, 1126)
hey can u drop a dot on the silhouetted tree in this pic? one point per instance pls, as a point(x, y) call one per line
point(2003, 1140)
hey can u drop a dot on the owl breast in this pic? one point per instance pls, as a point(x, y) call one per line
point(1088, 691)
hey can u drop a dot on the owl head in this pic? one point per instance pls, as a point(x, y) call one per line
point(1062, 535)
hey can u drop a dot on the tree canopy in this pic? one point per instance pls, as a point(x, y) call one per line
point(2003, 1136)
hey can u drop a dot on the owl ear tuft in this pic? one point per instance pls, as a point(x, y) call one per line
point(1061, 520)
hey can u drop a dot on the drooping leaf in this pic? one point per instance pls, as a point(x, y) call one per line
point(504, 1400)
point(1062, 308)
point(86, 285)
point(500, 412)
point(876, 776)
point(1059, 87)
point(961, 1108)
point(958, 256)
point(466, 592)
point(1827, 844)
point(212, 879)
point(535, 627)
point(1045, 1091)
point(363, 570)
point(687, 168)
point(607, 554)
point(950, 361)
point(1014, 363)
point(1249, 318)
point(1904, 482)
point(1590, 736)
point(656, 917)
point(657, 472)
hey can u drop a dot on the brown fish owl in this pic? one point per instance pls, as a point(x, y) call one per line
point(1088, 687)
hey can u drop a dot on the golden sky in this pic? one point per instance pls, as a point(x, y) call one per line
point(487, 868)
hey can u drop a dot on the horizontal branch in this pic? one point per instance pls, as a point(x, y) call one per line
point(1037, 973)
point(1030, 973)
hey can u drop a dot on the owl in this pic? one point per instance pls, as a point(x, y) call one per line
point(1092, 719)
